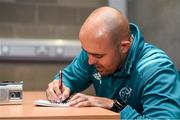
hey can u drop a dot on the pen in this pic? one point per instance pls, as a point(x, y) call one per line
point(60, 81)
point(61, 88)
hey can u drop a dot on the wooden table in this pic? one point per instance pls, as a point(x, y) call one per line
point(28, 111)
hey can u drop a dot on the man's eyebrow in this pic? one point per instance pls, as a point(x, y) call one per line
point(90, 52)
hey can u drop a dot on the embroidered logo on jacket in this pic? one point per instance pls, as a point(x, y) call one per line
point(125, 93)
point(97, 76)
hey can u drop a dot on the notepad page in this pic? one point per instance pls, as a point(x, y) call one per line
point(50, 104)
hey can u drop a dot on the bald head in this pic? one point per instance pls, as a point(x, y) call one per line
point(107, 22)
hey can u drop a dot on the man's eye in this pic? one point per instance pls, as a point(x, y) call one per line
point(98, 56)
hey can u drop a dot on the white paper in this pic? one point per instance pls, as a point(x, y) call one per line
point(49, 104)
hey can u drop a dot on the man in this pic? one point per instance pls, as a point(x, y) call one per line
point(129, 76)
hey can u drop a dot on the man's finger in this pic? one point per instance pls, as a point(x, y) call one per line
point(77, 101)
point(66, 93)
point(49, 96)
point(52, 95)
point(82, 104)
point(56, 88)
point(76, 96)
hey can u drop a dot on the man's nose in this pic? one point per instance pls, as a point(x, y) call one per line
point(91, 60)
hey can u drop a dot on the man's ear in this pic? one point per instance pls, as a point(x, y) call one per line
point(125, 46)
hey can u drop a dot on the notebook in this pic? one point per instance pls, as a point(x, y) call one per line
point(49, 104)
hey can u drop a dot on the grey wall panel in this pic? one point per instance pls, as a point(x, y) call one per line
point(159, 21)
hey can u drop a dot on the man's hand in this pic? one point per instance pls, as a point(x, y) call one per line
point(81, 100)
point(54, 94)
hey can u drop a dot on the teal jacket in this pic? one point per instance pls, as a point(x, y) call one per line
point(148, 82)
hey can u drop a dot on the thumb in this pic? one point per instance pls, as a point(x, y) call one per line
point(66, 93)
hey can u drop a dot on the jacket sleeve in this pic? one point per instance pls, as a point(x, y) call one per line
point(160, 96)
point(75, 75)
